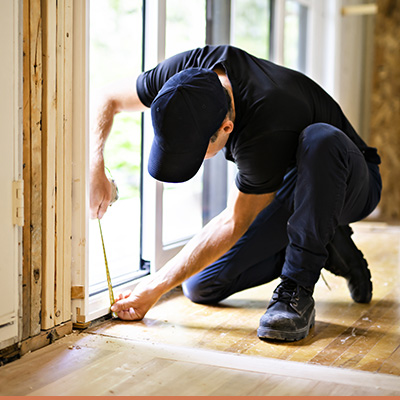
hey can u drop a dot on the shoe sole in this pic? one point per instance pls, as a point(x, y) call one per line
point(364, 292)
point(286, 336)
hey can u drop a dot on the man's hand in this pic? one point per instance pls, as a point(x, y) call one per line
point(100, 193)
point(133, 306)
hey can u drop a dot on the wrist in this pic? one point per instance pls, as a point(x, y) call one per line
point(96, 163)
point(152, 287)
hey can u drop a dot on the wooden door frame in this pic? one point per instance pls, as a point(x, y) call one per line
point(47, 160)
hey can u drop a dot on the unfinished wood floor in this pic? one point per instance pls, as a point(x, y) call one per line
point(346, 334)
point(181, 348)
point(95, 365)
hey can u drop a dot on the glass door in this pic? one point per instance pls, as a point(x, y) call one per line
point(295, 35)
point(182, 203)
point(115, 52)
point(251, 25)
point(173, 212)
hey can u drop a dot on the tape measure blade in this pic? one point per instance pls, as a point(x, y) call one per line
point(110, 289)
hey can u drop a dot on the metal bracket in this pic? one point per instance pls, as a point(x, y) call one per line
point(360, 9)
point(18, 203)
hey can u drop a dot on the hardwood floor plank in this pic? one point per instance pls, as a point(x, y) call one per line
point(383, 349)
point(143, 381)
point(89, 364)
point(368, 339)
point(48, 364)
point(392, 364)
point(294, 387)
point(255, 385)
point(267, 385)
point(96, 378)
point(360, 328)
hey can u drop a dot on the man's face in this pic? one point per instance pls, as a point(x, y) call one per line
point(215, 146)
point(222, 137)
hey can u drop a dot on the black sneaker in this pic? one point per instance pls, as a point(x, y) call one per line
point(346, 260)
point(290, 314)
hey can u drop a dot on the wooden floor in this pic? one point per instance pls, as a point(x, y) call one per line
point(91, 365)
point(346, 334)
point(182, 348)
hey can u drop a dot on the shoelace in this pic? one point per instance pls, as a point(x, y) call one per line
point(286, 291)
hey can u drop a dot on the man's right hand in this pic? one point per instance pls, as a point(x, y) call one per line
point(100, 193)
point(133, 305)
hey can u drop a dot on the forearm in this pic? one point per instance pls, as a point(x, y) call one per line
point(207, 246)
point(119, 97)
point(111, 100)
point(100, 188)
point(212, 242)
point(101, 125)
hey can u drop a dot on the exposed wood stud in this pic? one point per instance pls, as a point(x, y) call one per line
point(26, 275)
point(79, 153)
point(36, 78)
point(68, 58)
point(49, 145)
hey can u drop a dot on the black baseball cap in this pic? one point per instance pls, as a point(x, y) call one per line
point(187, 111)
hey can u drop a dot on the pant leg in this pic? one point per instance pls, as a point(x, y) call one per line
point(255, 259)
point(335, 185)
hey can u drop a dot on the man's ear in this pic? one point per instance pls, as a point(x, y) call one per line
point(227, 126)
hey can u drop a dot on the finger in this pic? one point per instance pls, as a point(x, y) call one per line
point(102, 209)
point(95, 203)
point(93, 215)
point(128, 315)
point(121, 305)
point(119, 297)
point(123, 295)
point(94, 210)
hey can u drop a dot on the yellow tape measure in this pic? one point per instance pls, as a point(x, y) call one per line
point(110, 288)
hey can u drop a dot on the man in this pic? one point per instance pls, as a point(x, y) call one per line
point(303, 175)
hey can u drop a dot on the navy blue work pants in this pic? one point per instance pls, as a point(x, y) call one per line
point(331, 185)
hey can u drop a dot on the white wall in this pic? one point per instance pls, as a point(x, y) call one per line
point(341, 57)
point(10, 169)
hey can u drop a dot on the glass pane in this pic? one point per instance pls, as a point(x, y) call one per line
point(186, 26)
point(182, 203)
point(182, 209)
point(251, 26)
point(115, 53)
point(295, 35)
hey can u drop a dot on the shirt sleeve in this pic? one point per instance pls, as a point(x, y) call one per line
point(150, 82)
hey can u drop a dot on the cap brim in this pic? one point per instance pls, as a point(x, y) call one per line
point(175, 167)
